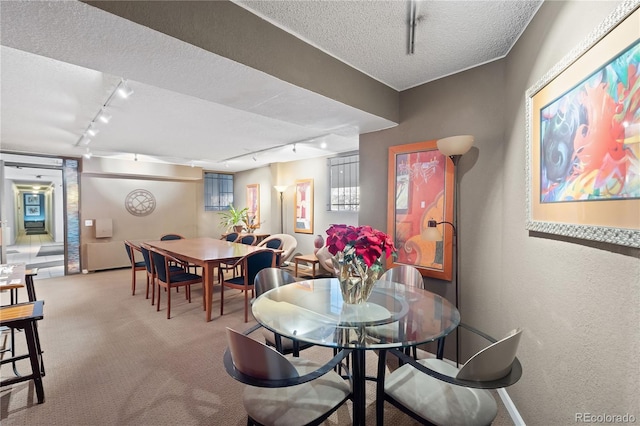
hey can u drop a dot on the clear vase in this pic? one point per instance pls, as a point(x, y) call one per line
point(356, 279)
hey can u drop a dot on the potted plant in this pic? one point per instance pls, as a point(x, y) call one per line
point(234, 219)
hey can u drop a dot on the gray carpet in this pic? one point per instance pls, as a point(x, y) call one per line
point(51, 250)
point(111, 359)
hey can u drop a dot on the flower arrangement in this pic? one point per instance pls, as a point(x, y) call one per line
point(357, 258)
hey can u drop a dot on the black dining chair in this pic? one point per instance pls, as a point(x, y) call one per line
point(250, 265)
point(169, 237)
point(135, 266)
point(168, 280)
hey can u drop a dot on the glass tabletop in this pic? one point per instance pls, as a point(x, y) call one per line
point(394, 316)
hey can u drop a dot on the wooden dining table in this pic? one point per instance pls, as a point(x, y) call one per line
point(207, 253)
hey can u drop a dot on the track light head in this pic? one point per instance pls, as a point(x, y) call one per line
point(294, 148)
point(104, 116)
point(124, 90)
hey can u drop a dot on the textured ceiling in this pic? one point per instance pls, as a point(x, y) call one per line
point(62, 60)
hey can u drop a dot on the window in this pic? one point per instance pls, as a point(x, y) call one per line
point(218, 191)
point(344, 183)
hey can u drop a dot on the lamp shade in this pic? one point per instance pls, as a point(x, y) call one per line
point(455, 145)
point(280, 188)
point(431, 232)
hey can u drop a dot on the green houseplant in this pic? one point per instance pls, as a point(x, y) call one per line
point(234, 219)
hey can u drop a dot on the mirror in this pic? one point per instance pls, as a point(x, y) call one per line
point(303, 220)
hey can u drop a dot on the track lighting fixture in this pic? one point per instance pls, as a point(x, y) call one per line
point(294, 148)
point(255, 157)
point(92, 130)
point(124, 90)
point(103, 115)
point(135, 157)
point(87, 154)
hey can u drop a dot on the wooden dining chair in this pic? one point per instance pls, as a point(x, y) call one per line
point(148, 266)
point(169, 237)
point(167, 280)
point(135, 266)
point(250, 265)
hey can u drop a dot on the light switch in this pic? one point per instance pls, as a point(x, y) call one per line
point(88, 222)
point(422, 204)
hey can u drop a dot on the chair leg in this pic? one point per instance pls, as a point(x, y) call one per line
point(169, 303)
point(221, 298)
point(246, 305)
point(146, 296)
point(133, 281)
point(158, 301)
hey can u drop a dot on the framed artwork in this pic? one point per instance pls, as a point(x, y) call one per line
point(583, 138)
point(421, 189)
point(32, 210)
point(253, 204)
point(303, 220)
point(32, 200)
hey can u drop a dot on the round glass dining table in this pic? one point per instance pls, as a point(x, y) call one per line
point(394, 316)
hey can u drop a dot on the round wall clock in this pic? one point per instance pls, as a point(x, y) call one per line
point(140, 202)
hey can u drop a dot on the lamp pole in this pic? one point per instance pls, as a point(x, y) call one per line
point(281, 212)
point(281, 189)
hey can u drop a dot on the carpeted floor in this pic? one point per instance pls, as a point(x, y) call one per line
point(111, 359)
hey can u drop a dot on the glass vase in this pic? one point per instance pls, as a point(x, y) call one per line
point(356, 279)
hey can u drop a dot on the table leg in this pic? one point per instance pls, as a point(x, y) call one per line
point(296, 271)
point(33, 357)
point(359, 379)
point(207, 281)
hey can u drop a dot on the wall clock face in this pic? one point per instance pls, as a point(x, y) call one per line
point(140, 202)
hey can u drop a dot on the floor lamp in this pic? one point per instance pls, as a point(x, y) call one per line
point(281, 189)
point(454, 147)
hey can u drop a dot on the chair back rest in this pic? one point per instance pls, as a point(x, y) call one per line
point(129, 249)
point(274, 243)
point(289, 244)
point(160, 265)
point(146, 255)
point(167, 237)
point(404, 274)
point(494, 361)
point(256, 359)
point(232, 236)
point(269, 278)
point(249, 240)
point(256, 261)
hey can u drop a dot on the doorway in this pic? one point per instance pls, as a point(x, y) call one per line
point(34, 223)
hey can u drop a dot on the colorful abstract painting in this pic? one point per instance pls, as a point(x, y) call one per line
point(590, 136)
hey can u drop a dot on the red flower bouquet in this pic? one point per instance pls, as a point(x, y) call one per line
point(357, 258)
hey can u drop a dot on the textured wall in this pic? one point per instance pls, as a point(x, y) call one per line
point(579, 302)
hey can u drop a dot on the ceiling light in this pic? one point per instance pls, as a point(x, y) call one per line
point(104, 116)
point(323, 145)
point(255, 157)
point(87, 154)
point(135, 157)
point(192, 163)
point(294, 148)
point(36, 187)
point(34, 192)
point(92, 130)
point(226, 164)
point(124, 90)
point(85, 140)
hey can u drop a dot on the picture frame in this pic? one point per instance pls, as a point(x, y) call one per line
point(582, 177)
point(421, 185)
point(303, 211)
point(32, 199)
point(253, 205)
point(32, 210)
